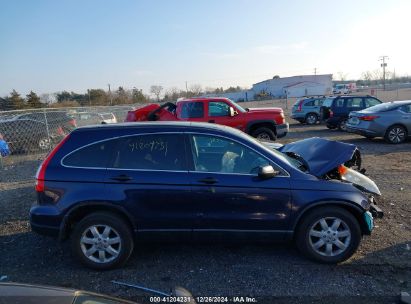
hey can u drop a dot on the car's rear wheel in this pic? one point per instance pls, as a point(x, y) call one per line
point(44, 143)
point(396, 134)
point(264, 134)
point(311, 118)
point(342, 126)
point(102, 241)
point(328, 235)
point(331, 127)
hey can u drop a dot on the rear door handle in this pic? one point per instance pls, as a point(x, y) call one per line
point(121, 178)
point(208, 180)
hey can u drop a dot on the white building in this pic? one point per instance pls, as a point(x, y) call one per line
point(295, 86)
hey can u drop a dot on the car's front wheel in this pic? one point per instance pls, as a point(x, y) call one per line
point(264, 134)
point(102, 241)
point(328, 235)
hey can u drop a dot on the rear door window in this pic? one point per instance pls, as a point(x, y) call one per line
point(192, 110)
point(328, 102)
point(353, 103)
point(150, 152)
point(96, 155)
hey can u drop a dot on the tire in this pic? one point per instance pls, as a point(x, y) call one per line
point(44, 144)
point(264, 134)
point(331, 127)
point(369, 136)
point(310, 232)
point(342, 126)
point(311, 118)
point(396, 134)
point(116, 254)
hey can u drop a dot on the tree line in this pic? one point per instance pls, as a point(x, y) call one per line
point(93, 97)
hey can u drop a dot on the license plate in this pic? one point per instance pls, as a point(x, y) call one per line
point(354, 121)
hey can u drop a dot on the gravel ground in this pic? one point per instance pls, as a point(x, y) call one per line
point(377, 273)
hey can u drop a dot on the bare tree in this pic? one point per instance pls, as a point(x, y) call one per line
point(367, 75)
point(342, 76)
point(156, 90)
point(48, 98)
point(195, 89)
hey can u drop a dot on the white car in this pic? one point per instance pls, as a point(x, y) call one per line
point(90, 118)
point(341, 89)
point(107, 118)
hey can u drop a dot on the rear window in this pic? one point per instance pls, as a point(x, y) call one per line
point(328, 102)
point(92, 156)
point(150, 152)
point(370, 102)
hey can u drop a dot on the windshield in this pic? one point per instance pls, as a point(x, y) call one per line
point(240, 108)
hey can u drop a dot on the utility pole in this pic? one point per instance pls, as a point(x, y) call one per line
point(315, 71)
point(111, 97)
point(89, 100)
point(383, 65)
point(186, 89)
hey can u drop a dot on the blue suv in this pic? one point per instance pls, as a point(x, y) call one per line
point(307, 110)
point(103, 186)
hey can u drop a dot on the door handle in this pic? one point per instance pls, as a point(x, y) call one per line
point(211, 121)
point(122, 178)
point(208, 180)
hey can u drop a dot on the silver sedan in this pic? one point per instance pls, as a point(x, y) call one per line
point(390, 120)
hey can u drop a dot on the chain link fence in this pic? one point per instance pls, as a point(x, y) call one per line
point(32, 133)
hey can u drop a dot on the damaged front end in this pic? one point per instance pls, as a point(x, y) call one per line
point(335, 160)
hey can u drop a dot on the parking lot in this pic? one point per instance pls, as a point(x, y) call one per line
point(379, 271)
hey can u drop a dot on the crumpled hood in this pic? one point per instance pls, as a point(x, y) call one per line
point(265, 110)
point(322, 155)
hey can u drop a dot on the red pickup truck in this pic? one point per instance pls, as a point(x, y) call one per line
point(262, 123)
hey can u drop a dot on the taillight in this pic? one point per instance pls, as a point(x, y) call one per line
point(41, 171)
point(368, 117)
point(300, 106)
point(331, 113)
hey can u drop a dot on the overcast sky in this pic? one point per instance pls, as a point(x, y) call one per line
point(50, 46)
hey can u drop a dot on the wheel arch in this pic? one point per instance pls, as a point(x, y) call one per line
point(254, 125)
point(77, 213)
point(398, 124)
point(355, 210)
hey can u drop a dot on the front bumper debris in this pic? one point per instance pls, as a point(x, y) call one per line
point(376, 211)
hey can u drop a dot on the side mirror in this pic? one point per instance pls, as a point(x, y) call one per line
point(267, 172)
point(233, 112)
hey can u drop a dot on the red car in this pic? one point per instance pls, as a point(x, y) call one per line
point(262, 123)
